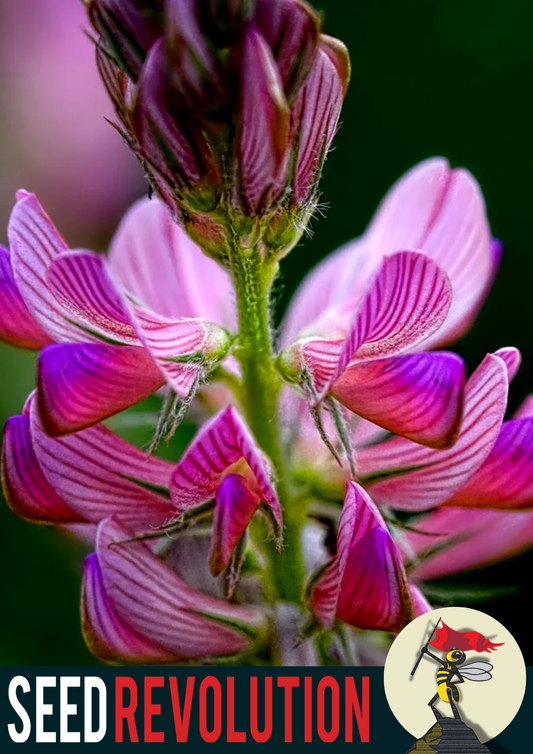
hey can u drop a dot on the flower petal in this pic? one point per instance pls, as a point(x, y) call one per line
point(292, 32)
point(432, 208)
point(419, 396)
point(366, 584)
point(466, 539)
point(26, 489)
point(235, 506)
point(154, 602)
point(315, 118)
point(181, 348)
point(17, 325)
point(101, 475)
point(410, 477)
point(264, 130)
point(220, 443)
point(505, 479)
point(159, 265)
point(82, 283)
point(441, 212)
point(82, 384)
point(35, 243)
point(107, 636)
point(408, 300)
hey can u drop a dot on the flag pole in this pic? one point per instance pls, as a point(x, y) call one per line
point(425, 647)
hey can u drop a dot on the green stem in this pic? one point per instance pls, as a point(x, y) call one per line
point(261, 385)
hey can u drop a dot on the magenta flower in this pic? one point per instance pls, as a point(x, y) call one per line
point(136, 609)
point(371, 301)
point(328, 471)
point(125, 326)
point(365, 584)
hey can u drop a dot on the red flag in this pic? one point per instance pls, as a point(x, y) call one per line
point(447, 638)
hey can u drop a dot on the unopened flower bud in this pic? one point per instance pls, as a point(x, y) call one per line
point(231, 107)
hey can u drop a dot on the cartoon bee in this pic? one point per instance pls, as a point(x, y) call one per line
point(448, 669)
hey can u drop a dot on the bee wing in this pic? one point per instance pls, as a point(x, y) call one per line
point(476, 671)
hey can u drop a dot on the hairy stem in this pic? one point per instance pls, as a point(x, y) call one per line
point(261, 385)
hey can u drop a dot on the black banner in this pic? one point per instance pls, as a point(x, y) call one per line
point(201, 706)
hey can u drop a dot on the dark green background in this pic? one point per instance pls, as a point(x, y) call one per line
point(449, 78)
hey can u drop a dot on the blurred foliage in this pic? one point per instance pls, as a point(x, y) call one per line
point(429, 78)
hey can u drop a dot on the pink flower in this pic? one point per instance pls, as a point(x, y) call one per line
point(414, 280)
point(94, 477)
point(431, 461)
point(136, 609)
point(124, 325)
point(365, 584)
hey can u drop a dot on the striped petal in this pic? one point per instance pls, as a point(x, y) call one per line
point(432, 208)
point(35, 243)
point(181, 348)
point(82, 283)
point(159, 266)
point(407, 476)
point(26, 489)
point(419, 396)
point(465, 539)
point(235, 506)
point(220, 444)
point(315, 118)
point(17, 325)
point(512, 358)
point(264, 130)
point(82, 384)
point(292, 32)
point(408, 300)
point(366, 584)
point(107, 636)
point(441, 212)
point(505, 479)
point(102, 475)
point(152, 601)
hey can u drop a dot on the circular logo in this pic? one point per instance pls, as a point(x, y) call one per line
point(453, 671)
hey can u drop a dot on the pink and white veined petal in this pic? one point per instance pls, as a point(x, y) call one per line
point(264, 129)
point(418, 396)
point(512, 358)
point(407, 476)
point(161, 267)
point(151, 600)
point(221, 443)
point(102, 475)
point(365, 585)
point(316, 115)
point(441, 211)
point(467, 539)
point(505, 479)
point(407, 301)
point(82, 283)
point(35, 243)
point(181, 348)
point(235, 506)
point(17, 324)
point(432, 208)
point(26, 489)
point(107, 636)
point(80, 384)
